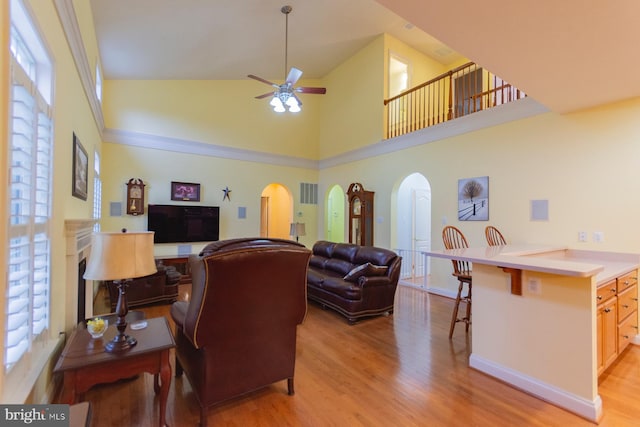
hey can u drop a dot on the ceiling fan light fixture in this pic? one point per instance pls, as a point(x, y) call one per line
point(284, 93)
point(292, 102)
point(294, 108)
point(277, 104)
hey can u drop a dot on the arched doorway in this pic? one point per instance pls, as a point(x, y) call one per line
point(335, 214)
point(276, 211)
point(414, 228)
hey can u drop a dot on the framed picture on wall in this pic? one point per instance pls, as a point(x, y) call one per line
point(185, 191)
point(80, 170)
point(473, 199)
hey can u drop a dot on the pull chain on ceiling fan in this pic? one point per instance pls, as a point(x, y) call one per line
point(285, 94)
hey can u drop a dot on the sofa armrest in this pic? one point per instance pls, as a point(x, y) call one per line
point(372, 281)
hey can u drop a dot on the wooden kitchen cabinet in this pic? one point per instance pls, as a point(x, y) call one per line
point(617, 317)
point(607, 333)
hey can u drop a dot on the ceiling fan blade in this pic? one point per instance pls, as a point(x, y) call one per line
point(294, 75)
point(297, 99)
point(264, 95)
point(318, 90)
point(260, 79)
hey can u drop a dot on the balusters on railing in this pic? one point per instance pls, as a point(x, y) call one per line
point(456, 93)
point(414, 270)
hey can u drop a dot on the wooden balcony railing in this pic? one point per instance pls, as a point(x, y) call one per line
point(456, 93)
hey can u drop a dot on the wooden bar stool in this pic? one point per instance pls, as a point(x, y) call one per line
point(454, 239)
point(494, 236)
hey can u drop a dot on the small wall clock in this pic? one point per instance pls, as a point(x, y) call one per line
point(135, 197)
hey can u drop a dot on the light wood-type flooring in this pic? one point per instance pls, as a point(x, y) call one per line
point(399, 370)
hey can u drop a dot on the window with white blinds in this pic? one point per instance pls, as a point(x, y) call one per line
point(97, 191)
point(31, 160)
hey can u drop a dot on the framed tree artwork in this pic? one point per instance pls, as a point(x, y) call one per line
point(79, 170)
point(473, 199)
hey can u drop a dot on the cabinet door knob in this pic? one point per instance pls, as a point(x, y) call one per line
point(625, 306)
point(599, 297)
point(607, 310)
point(613, 290)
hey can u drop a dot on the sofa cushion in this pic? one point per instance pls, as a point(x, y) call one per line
point(346, 251)
point(367, 269)
point(338, 286)
point(374, 255)
point(339, 266)
point(323, 248)
point(318, 261)
point(315, 277)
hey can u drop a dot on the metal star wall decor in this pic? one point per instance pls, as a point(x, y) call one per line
point(227, 194)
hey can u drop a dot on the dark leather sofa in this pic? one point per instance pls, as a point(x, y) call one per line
point(238, 332)
point(357, 281)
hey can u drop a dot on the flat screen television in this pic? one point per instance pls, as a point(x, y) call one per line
point(179, 224)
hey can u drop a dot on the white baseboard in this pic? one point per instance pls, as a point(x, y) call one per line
point(447, 293)
point(590, 410)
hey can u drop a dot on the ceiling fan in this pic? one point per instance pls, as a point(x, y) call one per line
point(285, 94)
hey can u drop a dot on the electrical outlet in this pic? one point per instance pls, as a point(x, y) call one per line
point(598, 236)
point(534, 285)
point(582, 236)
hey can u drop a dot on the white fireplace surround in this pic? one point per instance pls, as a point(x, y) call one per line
point(78, 246)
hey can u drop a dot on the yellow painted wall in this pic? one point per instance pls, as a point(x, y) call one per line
point(423, 68)
point(279, 215)
point(538, 349)
point(216, 112)
point(158, 168)
point(353, 109)
point(336, 214)
point(84, 15)
point(585, 164)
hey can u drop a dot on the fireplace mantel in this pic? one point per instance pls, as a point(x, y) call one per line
point(78, 247)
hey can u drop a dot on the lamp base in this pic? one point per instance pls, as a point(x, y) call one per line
point(120, 343)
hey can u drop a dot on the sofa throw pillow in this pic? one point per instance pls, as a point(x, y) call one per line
point(377, 270)
point(367, 269)
point(356, 272)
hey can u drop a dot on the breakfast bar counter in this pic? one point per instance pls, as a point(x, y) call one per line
point(534, 317)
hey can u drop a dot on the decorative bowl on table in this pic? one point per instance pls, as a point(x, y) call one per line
point(97, 327)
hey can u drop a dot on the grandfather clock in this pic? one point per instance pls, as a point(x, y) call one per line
point(360, 215)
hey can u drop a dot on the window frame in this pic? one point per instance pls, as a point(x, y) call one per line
point(18, 379)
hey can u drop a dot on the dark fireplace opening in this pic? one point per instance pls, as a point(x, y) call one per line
point(82, 290)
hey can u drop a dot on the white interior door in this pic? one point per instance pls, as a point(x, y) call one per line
point(421, 225)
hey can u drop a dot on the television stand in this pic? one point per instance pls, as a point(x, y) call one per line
point(180, 262)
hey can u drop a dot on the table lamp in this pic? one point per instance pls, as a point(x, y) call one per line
point(297, 229)
point(121, 257)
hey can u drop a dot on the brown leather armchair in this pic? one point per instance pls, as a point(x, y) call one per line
point(238, 332)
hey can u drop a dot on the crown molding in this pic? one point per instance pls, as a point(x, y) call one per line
point(69, 22)
point(136, 139)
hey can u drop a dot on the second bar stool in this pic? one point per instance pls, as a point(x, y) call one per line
point(494, 236)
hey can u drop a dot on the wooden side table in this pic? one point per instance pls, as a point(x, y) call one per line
point(84, 362)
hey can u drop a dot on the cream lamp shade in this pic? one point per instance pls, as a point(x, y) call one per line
point(121, 255)
point(297, 229)
point(300, 231)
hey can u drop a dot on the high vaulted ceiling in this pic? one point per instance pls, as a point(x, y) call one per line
point(567, 55)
